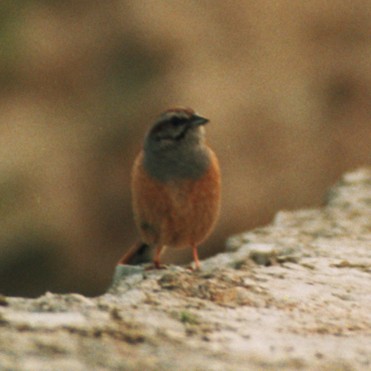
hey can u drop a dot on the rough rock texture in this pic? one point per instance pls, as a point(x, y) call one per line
point(294, 295)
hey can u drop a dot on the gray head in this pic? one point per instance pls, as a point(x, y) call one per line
point(174, 147)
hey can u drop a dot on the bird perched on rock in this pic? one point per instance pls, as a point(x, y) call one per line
point(175, 187)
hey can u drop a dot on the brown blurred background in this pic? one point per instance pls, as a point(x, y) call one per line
point(287, 86)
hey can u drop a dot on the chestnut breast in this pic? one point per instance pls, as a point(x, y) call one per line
point(177, 211)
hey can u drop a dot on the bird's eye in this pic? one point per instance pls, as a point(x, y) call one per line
point(177, 121)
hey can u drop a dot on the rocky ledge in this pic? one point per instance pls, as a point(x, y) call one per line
point(295, 295)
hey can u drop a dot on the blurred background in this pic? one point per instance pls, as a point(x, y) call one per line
point(286, 85)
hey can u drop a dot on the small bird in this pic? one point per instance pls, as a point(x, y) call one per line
point(175, 187)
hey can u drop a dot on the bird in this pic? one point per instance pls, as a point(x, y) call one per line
point(176, 187)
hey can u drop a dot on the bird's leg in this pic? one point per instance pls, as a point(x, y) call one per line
point(195, 258)
point(156, 260)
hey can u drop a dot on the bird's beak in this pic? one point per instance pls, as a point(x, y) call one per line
point(199, 120)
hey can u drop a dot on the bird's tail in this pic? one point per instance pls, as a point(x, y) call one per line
point(138, 253)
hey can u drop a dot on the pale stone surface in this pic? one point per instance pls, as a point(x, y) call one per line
point(293, 295)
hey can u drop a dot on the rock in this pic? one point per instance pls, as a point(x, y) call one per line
point(293, 295)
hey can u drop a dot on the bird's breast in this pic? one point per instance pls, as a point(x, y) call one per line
point(168, 166)
point(180, 210)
